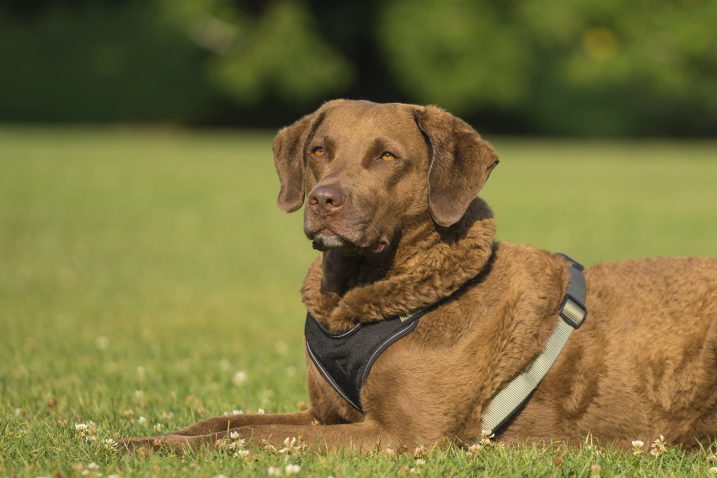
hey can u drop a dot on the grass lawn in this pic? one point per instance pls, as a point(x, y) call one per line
point(140, 270)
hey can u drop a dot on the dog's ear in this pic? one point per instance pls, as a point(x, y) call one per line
point(288, 148)
point(289, 157)
point(461, 162)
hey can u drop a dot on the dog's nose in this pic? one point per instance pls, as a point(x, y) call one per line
point(326, 199)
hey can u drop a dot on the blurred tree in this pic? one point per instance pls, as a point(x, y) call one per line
point(456, 53)
point(587, 67)
point(538, 66)
point(99, 62)
point(279, 53)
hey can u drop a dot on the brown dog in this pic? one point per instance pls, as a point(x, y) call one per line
point(392, 206)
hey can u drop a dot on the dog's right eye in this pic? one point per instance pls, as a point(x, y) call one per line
point(318, 152)
point(388, 156)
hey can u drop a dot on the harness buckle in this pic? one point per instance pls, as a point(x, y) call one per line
point(572, 311)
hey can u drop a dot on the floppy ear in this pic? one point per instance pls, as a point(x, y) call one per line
point(288, 148)
point(461, 162)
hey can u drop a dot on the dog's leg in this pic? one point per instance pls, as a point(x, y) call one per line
point(221, 424)
point(364, 436)
point(228, 422)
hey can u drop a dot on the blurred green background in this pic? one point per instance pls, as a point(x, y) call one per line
point(588, 67)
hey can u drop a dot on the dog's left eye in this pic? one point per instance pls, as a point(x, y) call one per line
point(318, 152)
point(388, 156)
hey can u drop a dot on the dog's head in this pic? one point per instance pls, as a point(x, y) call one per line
point(371, 169)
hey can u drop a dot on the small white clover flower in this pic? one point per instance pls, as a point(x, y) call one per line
point(486, 437)
point(292, 444)
point(239, 378)
point(273, 471)
point(658, 447)
point(86, 430)
point(158, 427)
point(292, 469)
point(474, 449)
point(142, 421)
point(110, 444)
point(261, 411)
point(637, 447)
point(713, 470)
point(233, 412)
point(233, 443)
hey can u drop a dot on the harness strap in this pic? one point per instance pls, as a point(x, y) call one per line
point(572, 313)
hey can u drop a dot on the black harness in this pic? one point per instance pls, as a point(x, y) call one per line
point(345, 359)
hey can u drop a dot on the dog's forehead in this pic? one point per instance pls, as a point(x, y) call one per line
point(363, 118)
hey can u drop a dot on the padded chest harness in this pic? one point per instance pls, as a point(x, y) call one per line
point(345, 359)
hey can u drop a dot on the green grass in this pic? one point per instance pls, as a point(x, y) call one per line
point(167, 244)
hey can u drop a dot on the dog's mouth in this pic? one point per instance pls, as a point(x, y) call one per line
point(328, 237)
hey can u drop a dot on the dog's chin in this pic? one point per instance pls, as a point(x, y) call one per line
point(323, 241)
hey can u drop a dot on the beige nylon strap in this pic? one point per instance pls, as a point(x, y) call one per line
point(514, 394)
point(570, 316)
